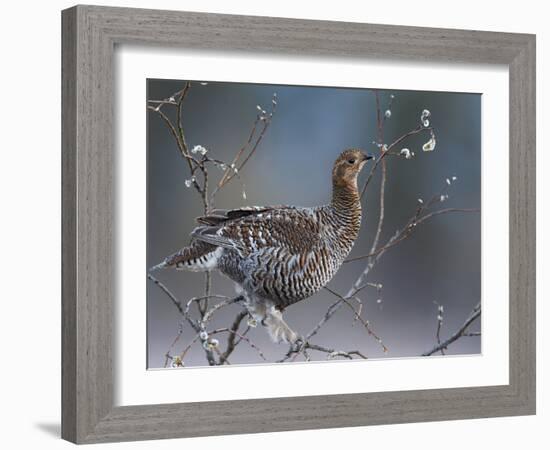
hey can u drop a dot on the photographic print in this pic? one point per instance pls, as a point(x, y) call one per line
point(292, 224)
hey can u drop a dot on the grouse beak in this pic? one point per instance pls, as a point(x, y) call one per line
point(367, 156)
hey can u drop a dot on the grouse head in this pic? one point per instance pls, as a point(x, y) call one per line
point(347, 167)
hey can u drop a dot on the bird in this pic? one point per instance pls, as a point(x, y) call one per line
point(279, 255)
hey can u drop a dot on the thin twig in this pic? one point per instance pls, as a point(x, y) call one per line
point(363, 321)
point(382, 180)
point(183, 95)
point(231, 344)
point(208, 314)
point(177, 303)
point(293, 352)
point(230, 172)
point(439, 324)
point(476, 313)
point(408, 231)
point(199, 299)
point(387, 151)
point(242, 337)
point(171, 296)
point(238, 155)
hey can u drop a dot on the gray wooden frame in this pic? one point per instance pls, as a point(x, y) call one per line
point(89, 37)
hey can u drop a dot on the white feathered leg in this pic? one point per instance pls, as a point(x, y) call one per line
point(278, 328)
point(271, 318)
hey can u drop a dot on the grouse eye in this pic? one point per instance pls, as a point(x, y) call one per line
point(351, 161)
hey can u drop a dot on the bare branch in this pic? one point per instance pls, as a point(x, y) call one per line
point(439, 324)
point(332, 353)
point(382, 182)
point(358, 317)
point(237, 156)
point(199, 299)
point(183, 94)
point(177, 303)
point(476, 313)
point(231, 344)
point(387, 151)
point(234, 168)
point(171, 296)
point(241, 337)
point(408, 231)
point(208, 314)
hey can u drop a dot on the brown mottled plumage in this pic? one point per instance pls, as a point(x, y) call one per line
point(279, 255)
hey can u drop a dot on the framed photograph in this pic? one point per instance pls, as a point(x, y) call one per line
point(278, 224)
point(291, 150)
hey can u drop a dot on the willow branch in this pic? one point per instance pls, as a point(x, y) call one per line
point(387, 151)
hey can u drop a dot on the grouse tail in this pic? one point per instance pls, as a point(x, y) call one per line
point(197, 257)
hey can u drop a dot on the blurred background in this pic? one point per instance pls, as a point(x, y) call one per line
point(440, 262)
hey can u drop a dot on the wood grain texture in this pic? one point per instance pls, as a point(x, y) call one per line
point(68, 225)
point(88, 296)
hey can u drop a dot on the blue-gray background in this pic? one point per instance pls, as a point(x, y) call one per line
point(440, 262)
